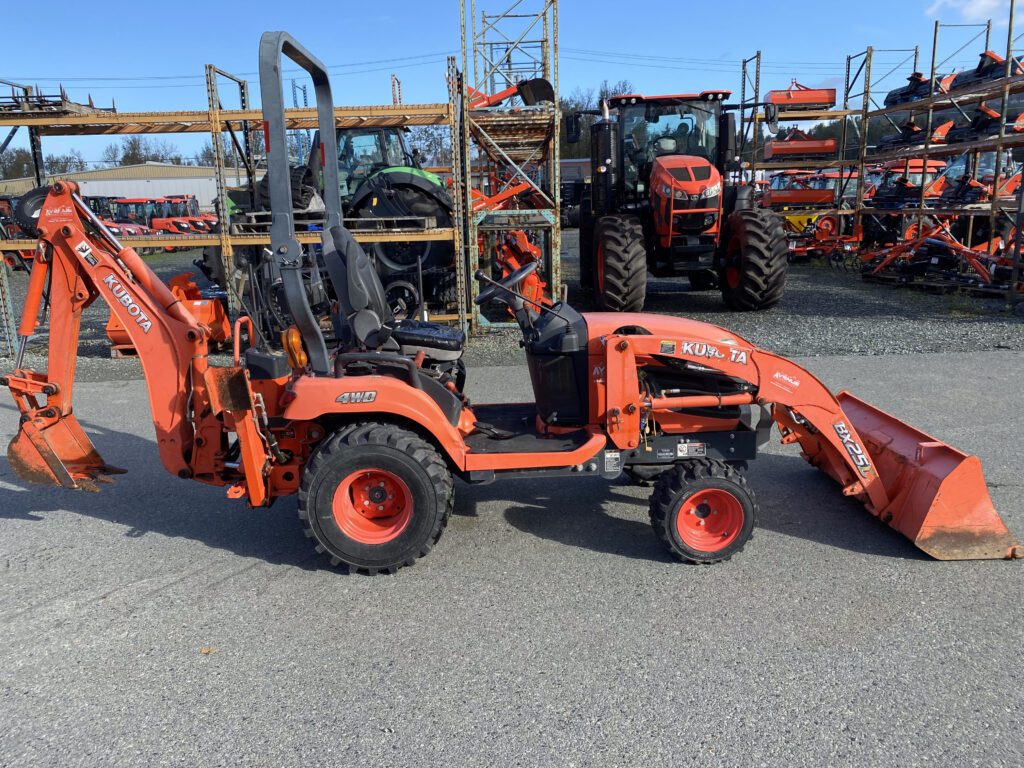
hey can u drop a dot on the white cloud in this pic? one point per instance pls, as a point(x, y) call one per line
point(974, 11)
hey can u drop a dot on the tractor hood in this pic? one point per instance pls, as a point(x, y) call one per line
point(687, 176)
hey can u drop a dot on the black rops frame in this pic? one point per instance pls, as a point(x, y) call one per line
point(287, 252)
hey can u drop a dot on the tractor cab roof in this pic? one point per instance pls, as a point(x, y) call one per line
point(667, 100)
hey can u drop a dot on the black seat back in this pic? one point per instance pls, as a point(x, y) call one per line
point(361, 299)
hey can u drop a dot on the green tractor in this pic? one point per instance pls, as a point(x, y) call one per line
point(381, 179)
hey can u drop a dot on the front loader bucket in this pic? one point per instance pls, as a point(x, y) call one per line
point(60, 454)
point(938, 497)
point(535, 91)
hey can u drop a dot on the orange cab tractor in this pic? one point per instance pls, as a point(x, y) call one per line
point(188, 207)
point(660, 203)
point(155, 213)
point(357, 420)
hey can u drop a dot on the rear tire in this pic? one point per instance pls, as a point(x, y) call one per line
point(382, 466)
point(26, 212)
point(752, 272)
point(703, 511)
point(620, 282)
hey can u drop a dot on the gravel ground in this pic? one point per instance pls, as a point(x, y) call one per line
point(824, 312)
point(157, 623)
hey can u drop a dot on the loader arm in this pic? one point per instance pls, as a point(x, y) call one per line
point(933, 494)
point(79, 260)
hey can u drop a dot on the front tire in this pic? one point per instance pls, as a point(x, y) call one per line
point(375, 497)
point(620, 261)
point(703, 511)
point(752, 272)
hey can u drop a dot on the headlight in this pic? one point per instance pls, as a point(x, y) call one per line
point(713, 191)
point(182, 225)
point(666, 190)
point(680, 195)
point(114, 230)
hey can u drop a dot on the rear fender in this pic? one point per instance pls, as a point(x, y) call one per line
point(374, 397)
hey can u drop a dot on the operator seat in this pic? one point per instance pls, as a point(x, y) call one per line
point(363, 304)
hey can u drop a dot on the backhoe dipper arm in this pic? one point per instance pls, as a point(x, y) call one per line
point(82, 261)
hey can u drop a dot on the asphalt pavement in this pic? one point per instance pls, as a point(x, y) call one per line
point(158, 623)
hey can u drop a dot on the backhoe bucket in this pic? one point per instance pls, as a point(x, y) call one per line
point(938, 497)
point(60, 454)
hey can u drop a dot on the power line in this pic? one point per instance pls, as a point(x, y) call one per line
point(437, 56)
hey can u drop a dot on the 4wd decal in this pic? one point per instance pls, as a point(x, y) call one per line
point(357, 397)
point(857, 454)
point(125, 299)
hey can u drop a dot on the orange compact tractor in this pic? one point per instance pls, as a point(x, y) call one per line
point(659, 203)
point(368, 430)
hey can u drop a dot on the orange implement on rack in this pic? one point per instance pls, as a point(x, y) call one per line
point(798, 97)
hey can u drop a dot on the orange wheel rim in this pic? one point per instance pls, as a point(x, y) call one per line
point(372, 506)
point(710, 520)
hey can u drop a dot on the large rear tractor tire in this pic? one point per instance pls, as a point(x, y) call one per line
point(754, 259)
point(375, 497)
point(26, 212)
point(703, 511)
point(620, 264)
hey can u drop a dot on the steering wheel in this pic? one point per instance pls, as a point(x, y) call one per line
point(493, 290)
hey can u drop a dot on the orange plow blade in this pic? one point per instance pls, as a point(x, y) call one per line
point(938, 497)
point(59, 453)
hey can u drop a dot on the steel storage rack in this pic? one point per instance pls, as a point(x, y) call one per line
point(60, 117)
point(509, 145)
point(1007, 209)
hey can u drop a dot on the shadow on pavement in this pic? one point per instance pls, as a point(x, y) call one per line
point(149, 500)
point(794, 500)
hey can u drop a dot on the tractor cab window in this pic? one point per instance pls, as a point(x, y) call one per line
point(650, 130)
point(396, 152)
point(359, 154)
point(787, 181)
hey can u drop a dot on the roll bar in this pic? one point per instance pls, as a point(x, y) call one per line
point(286, 250)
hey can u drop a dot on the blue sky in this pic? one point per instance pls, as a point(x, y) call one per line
point(661, 47)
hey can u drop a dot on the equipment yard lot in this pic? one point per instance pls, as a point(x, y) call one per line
point(548, 626)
